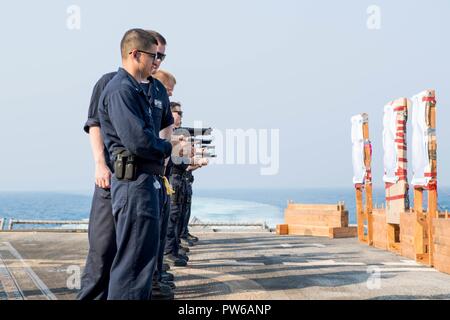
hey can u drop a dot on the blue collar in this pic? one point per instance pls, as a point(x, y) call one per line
point(130, 78)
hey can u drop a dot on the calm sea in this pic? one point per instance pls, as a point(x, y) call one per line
point(230, 205)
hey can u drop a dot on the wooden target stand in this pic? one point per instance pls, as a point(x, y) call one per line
point(423, 239)
point(364, 208)
point(396, 193)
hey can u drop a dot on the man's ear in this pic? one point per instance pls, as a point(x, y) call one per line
point(136, 55)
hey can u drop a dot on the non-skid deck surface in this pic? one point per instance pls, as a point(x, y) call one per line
point(230, 265)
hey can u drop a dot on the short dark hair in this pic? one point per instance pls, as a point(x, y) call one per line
point(159, 37)
point(173, 105)
point(136, 39)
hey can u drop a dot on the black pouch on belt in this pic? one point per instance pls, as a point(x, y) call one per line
point(130, 168)
point(124, 164)
point(119, 167)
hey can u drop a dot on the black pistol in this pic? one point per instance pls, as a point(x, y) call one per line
point(192, 132)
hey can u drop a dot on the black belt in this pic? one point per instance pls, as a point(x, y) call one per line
point(150, 168)
point(178, 171)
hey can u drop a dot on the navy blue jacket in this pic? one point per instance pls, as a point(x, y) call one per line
point(159, 102)
point(158, 98)
point(156, 92)
point(125, 121)
point(93, 118)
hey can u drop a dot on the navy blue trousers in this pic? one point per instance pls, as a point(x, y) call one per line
point(175, 216)
point(186, 215)
point(136, 211)
point(164, 221)
point(102, 248)
point(184, 230)
point(102, 244)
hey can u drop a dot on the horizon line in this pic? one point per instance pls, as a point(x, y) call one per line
point(86, 191)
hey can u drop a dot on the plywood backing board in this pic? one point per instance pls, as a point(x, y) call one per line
point(301, 206)
point(407, 234)
point(379, 229)
point(396, 206)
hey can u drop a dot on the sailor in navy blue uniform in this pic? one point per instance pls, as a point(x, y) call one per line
point(126, 126)
point(102, 242)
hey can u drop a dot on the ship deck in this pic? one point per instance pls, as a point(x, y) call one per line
point(230, 265)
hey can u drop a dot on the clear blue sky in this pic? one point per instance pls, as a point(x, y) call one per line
point(303, 67)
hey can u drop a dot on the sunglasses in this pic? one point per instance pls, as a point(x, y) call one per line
point(151, 54)
point(180, 113)
point(160, 56)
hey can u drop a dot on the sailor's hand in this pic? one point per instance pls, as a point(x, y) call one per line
point(102, 176)
point(184, 148)
point(178, 138)
point(203, 162)
point(200, 162)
